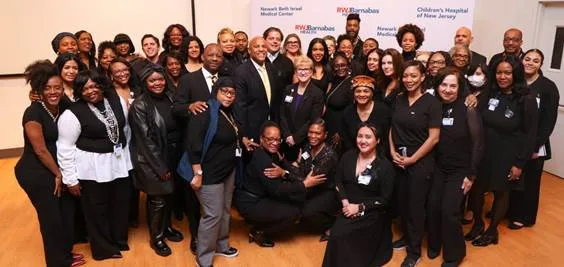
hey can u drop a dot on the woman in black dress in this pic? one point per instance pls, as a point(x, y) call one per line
point(523, 205)
point(319, 53)
point(410, 37)
point(459, 153)
point(362, 234)
point(172, 63)
point(86, 49)
point(37, 171)
point(338, 97)
point(373, 69)
point(175, 38)
point(156, 155)
point(391, 65)
point(364, 109)
point(416, 122)
point(106, 54)
point(510, 116)
point(302, 103)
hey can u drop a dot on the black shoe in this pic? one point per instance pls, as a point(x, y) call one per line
point(173, 235)
point(324, 237)
point(259, 238)
point(450, 263)
point(474, 233)
point(123, 247)
point(515, 225)
point(410, 261)
point(431, 253)
point(229, 253)
point(161, 248)
point(194, 245)
point(399, 244)
point(485, 240)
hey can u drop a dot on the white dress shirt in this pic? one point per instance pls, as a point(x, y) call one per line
point(208, 77)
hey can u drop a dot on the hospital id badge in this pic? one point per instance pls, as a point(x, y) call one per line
point(493, 103)
point(305, 155)
point(118, 150)
point(538, 102)
point(288, 99)
point(448, 121)
point(238, 152)
point(364, 179)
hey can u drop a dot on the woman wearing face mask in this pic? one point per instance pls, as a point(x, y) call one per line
point(319, 53)
point(523, 205)
point(373, 69)
point(86, 49)
point(391, 65)
point(416, 121)
point(410, 38)
point(361, 235)
point(477, 79)
point(338, 97)
point(364, 109)
point(510, 116)
point(459, 152)
point(302, 103)
point(69, 66)
point(437, 61)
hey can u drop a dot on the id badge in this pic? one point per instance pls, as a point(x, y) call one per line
point(509, 113)
point(364, 179)
point(118, 150)
point(430, 91)
point(492, 104)
point(288, 99)
point(305, 155)
point(238, 152)
point(538, 102)
point(448, 121)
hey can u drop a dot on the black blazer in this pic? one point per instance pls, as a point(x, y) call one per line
point(192, 87)
point(477, 59)
point(151, 158)
point(251, 107)
point(295, 123)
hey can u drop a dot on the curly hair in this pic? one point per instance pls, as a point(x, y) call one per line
point(413, 29)
point(82, 78)
point(38, 73)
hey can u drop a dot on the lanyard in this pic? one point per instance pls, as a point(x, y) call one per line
point(232, 122)
point(336, 87)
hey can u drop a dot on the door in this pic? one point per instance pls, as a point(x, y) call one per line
point(550, 42)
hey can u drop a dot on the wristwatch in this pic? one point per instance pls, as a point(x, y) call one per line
point(199, 172)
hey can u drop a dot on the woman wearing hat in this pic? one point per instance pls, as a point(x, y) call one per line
point(364, 109)
point(214, 170)
point(64, 42)
point(156, 137)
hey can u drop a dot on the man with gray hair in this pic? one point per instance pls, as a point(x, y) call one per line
point(464, 36)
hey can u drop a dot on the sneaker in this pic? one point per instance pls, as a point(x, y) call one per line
point(229, 253)
point(410, 261)
point(399, 244)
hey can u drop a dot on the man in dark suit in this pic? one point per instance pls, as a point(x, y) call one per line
point(464, 36)
point(256, 95)
point(282, 67)
point(352, 29)
point(191, 97)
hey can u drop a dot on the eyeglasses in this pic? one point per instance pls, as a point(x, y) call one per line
point(461, 56)
point(437, 62)
point(271, 140)
point(119, 72)
point(303, 70)
point(292, 42)
point(227, 92)
point(340, 66)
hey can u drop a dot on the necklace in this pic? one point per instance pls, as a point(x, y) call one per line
point(49, 112)
point(108, 118)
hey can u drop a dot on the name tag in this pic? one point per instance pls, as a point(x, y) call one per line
point(430, 91)
point(542, 151)
point(538, 102)
point(509, 113)
point(448, 121)
point(492, 104)
point(118, 150)
point(238, 152)
point(364, 179)
point(305, 156)
point(288, 99)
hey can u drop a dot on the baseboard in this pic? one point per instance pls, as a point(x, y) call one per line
point(11, 152)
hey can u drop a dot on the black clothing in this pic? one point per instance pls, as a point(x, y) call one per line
point(380, 117)
point(38, 182)
point(499, 56)
point(510, 132)
point(296, 117)
point(477, 59)
point(283, 73)
point(390, 99)
point(410, 124)
point(230, 63)
point(339, 96)
point(156, 143)
point(192, 87)
point(357, 50)
point(260, 195)
point(219, 160)
point(408, 56)
point(251, 107)
point(357, 67)
point(365, 240)
point(158, 216)
point(323, 83)
point(547, 97)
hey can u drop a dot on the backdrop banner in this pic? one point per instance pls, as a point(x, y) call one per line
point(380, 19)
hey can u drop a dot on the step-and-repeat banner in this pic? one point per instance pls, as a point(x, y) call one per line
point(380, 19)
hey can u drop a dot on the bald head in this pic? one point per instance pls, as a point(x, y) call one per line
point(512, 41)
point(213, 58)
point(463, 36)
point(257, 49)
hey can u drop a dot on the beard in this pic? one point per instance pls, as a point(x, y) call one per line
point(352, 34)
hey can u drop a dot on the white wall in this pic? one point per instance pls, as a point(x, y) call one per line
point(491, 19)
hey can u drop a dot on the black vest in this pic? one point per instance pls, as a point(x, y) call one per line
point(93, 136)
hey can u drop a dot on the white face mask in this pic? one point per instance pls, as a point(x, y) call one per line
point(477, 80)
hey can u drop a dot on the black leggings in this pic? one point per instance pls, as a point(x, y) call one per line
point(500, 206)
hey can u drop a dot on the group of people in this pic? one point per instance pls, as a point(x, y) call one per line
point(339, 140)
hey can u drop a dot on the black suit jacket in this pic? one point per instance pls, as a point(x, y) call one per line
point(192, 87)
point(283, 73)
point(295, 123)
point(251, 106)
point(477, 59)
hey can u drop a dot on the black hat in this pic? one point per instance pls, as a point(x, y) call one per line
point(124, 38)
point(150, 69)
point(55, 42)
point(353, 16)
point(222, 82)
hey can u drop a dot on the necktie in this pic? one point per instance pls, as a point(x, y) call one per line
point(213, 78)
point(265, 82)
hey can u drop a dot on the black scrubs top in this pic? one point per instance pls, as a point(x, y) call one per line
point(411, 124)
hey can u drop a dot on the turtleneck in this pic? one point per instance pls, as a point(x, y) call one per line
point(408, 55)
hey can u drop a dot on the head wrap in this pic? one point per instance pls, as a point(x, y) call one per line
point(55, 42)
point(364, 81)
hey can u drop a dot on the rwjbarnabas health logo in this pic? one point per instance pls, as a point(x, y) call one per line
point(345, 11)
point(313, 29)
